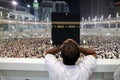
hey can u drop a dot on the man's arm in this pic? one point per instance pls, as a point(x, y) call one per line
point(57, 49)
point(53, 50)
point(87, 51)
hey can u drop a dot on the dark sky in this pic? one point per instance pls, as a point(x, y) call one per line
point(116, 0)
point(74, 5)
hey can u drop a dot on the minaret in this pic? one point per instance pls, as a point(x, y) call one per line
point(36, 7)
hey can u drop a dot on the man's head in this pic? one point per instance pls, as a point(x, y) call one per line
point(70, 53)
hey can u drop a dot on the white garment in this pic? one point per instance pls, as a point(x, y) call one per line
point(58, 71)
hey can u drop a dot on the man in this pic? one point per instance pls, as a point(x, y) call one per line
point(68, 69)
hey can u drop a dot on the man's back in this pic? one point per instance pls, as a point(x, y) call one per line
point(68, 69)
point(58, 71)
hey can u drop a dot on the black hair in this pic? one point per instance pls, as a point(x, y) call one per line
point(70, 53)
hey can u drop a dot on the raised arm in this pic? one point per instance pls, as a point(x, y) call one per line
point(57, 49)
point(87, 51)
point(53, 51)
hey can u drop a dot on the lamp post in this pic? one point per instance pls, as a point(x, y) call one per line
point(0, 15)
point(85, 24)
point(95, 22)
point(28, 6)
point(89, 18)
point(117, 16)
point(101, 21)
point(82, 23)
point(9, 22)
point(102, 17)
point(109, 17)
point(14, 4)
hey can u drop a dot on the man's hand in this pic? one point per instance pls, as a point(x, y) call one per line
point(68, 40)
point(55, 50)
point(85, 51)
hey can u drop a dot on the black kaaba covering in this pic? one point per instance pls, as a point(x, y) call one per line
point(64, 26)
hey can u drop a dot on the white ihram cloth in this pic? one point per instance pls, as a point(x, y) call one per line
point(58, 71)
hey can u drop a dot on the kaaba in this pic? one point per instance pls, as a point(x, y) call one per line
point(64, 26)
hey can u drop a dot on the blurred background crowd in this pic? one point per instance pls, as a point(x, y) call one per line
point(106, 47)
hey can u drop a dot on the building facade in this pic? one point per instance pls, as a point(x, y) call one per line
point(47, 7)
point(92, 8)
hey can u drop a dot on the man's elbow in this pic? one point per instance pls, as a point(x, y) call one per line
point(94, 55)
